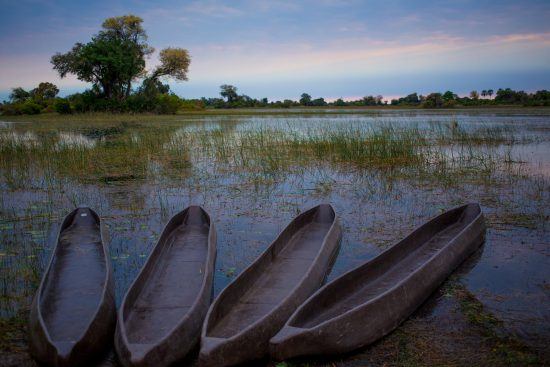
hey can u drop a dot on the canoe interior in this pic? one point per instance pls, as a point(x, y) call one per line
point(278, 275)
point(76, 279)
point(171, 280)
point(387, 270)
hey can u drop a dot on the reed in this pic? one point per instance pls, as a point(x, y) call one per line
point(114, 153)
point(137, 170)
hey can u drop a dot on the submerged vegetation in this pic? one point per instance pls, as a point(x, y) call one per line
point(106, 154)
point(254, 173)
point(255, 169)
point(132, 151)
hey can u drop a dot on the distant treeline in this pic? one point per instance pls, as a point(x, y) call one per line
point(158, 99)
point(485, 98)
point(113, 62)
point(231, 99)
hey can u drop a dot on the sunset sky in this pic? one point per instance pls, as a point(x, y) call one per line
point(279, 49)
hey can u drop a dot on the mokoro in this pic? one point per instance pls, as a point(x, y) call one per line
point(251, 309)
point(373, 299)
point(161, 316)
point(73, 315)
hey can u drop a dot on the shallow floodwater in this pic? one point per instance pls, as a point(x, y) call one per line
point(509, 275)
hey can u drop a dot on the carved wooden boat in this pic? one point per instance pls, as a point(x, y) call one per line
point(161, 316)
point(251, 309)
point(73, 315)
point(373, 299)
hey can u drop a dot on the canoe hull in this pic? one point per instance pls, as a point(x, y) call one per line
point(186, 332)
point(96, 338)
point(368, 322)
point(253, 342)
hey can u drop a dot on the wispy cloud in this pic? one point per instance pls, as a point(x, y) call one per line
point(363, 56)
point(216, 9)
point(260, 41)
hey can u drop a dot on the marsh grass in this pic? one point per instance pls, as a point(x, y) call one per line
point(507, 349)
point(62, 160)
point(111, 157)
point(121, 152)
point(141, 169)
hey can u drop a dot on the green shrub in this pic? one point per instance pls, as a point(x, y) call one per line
point(62, 106)
point(10, 109)
point(192, 104)
point(48, 107)
point(30, 108)
point(167, 104)
point(139, 103)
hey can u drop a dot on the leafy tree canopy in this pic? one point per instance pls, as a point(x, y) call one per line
point(174, 62)
point(115, 57)
point(45, 90)
point(449, 96)
point(229, 92)
point(305, 99)
point(19, 95)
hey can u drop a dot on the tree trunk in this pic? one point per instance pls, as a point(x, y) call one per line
point(128, 88)
point(106, 90)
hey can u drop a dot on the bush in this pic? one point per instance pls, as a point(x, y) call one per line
point(91, 101)
point(62, 106)
point(450, 104)
point(10, 109)
point(138, 103)
point(167, 104)
point(21, 108)
point(192, 104)
point(30, 108)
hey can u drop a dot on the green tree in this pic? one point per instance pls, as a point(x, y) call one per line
point(108, 63)
point(153, 87)
point(174, 62)
point(229, 92)
point(62, 106)
point(433, 100)
point(319, 102)
point(305, 99)
point(128, 29)
point(411, 99)
point(449, 96)
point(29, 107)
point(287, 103)
point(115, 57)
point(19, 95)
point(490, 93)
point(44, 91)
point(474, 95)
point(340, 102)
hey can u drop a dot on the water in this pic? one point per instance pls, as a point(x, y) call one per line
point(509, 275)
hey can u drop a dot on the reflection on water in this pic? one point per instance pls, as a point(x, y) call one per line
point(376, 207)
point(535, 157)
point(27, 138)
point(76, 140)
point(521, 138)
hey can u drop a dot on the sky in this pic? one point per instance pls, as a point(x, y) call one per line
point(280, 49)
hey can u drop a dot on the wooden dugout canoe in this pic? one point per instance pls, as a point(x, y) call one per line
point(373, 299)
point(73, 315)
point(251, 309)
point(162, 312)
